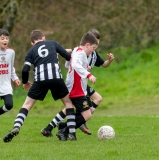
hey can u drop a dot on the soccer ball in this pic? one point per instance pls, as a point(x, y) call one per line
point(105, 133)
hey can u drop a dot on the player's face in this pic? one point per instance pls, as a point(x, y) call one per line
point(91, 48)
point(3, 42)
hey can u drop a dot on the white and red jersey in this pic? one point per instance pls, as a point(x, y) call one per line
point(7, 71)
point(76, 80)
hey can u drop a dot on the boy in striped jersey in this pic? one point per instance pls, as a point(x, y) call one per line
point(94, 59)
point(7, 72)
point(94, 98)
point(47, 76)
point(76, 83)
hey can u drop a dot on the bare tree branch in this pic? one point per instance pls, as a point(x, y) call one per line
point(8, 13)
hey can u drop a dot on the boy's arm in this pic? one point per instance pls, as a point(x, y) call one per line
point(77, 61)
point(62, 52)
point(25, 76)
point(67, 64)
point(13, 73)
point(100, 62)
point(110, 59)
point(92, 78)
point(69, 50)
point(82, 72)
point(26, 67)
point(25, 72)
point(15, 78)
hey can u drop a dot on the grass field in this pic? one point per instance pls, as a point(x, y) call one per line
point(130, 92)
point(136, 139)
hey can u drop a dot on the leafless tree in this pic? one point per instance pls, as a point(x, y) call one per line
point(8, 13)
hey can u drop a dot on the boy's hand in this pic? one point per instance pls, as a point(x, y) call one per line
point(17, 82)
point(27, 85)
point(92, 79)
point(110, 57)
point(88, 68)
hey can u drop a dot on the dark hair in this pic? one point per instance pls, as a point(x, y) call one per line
point(4, 32)
point(88, 38)
point(36, 35)
point(95, 33)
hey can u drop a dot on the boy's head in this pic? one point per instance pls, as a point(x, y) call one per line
point(4, 32)
point(36, 35)
point(95, 33)
point(4, 39)
point(89, 43)
point(88, 38)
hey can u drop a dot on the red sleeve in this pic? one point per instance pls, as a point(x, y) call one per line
point(89, 75)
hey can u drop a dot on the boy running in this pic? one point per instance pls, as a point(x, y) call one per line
point(47, 76)
point(94, 59)
point(76, 83)
point(7, 72)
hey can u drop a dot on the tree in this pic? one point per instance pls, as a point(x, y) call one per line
point(8, 13)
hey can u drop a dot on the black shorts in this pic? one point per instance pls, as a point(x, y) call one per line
point(90, 91)
point(39, 89)
point(89, 101)
point(8, 99)
point(80, 103)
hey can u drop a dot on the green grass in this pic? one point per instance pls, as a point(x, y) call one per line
point(128, 87)
point(130, 91)
point(131, 85)
point(136, 138)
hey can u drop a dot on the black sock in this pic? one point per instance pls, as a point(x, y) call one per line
point(94, 105)
point(20, 118)
point(77, 114)
point(70, 116)
point(79, 121)
point(59, 117)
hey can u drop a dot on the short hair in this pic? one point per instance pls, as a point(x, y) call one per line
point(95, 32)
point(88, 38)
point(36, 35)
point(4, 32)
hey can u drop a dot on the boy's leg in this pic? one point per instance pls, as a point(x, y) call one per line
point(90, 92)
point(96, 97)
point(96, 100)
point(60, 91)
point(81, 119)
point(58, 118)
point(8, 103)
point(81, 104)
point(29, 102)
point(84, 127)
point(70, 115)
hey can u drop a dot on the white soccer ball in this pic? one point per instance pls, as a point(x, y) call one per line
point(105, 133)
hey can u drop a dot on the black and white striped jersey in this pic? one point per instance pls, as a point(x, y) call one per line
point(43, 55)
point(95, 60)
